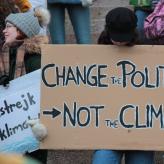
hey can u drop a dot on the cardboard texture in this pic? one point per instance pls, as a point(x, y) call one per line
point(103, 97)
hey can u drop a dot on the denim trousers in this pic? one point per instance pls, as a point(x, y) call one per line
point(141, 15)
point(79, 17)
point(115, 157)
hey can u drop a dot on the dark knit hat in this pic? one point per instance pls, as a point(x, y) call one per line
point(121, 23)
point(30, 22)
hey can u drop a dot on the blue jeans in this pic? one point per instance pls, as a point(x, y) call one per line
point(80, 19)
point(115, 157)
point(141, 15)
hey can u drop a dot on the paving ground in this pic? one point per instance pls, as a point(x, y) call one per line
point(98, 11)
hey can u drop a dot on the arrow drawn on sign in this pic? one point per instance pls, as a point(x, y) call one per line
point(54, 112)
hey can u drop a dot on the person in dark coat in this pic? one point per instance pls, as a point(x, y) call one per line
point(120, 30)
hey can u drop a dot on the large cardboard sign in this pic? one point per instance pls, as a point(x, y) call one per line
point(18, 103)
point(103, 97)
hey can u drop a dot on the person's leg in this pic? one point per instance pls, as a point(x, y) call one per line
point(57, 23)
point(80, 18)
point(139, 157)
point(141, 15)
point(107, 157)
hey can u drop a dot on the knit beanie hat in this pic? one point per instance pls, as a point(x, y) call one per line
point(30, 23)
point(121, 23)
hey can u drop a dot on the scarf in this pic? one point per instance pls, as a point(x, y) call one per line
point(5, 61)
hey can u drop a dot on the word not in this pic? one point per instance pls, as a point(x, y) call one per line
point(75, 118)
point(89, 75)
point(27, 100)
point(141, 78)
point(151, 114)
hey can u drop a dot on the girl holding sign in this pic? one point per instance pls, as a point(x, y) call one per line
point(21, 51)
point(120, 30)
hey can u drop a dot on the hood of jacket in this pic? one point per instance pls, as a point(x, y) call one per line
point(33, 45)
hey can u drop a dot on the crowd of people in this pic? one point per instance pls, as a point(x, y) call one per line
point(23, 28)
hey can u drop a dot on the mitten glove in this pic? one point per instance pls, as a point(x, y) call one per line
point(38, 129)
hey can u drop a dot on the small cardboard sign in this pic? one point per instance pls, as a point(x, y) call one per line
point(18, 103)
point(103, 97)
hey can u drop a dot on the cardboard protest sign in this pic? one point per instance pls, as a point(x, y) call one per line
point(18, 103)
point(103, 97)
